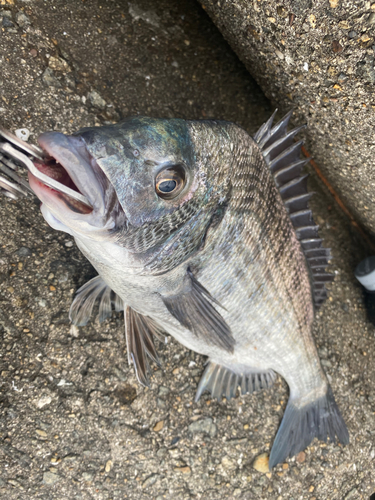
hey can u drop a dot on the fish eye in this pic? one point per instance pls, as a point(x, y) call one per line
point(170, 182)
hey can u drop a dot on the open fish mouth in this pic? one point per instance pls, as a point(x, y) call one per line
point(55, 171)
point(68, 176)
point(45, 172)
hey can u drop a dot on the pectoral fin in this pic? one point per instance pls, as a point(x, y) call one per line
point(193, 307)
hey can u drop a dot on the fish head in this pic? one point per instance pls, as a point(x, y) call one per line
point(139, 176)
point(144, 166)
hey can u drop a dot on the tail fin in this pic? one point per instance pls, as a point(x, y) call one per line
point(300, 425)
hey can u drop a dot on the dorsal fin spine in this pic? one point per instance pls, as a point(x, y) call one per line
point(282, 155)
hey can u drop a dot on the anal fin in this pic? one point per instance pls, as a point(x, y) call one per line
point(221, 381)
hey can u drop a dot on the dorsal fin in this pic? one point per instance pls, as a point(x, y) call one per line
point(282, 155)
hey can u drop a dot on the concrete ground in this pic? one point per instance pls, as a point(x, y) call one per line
point(74, 421)
point(318, 58)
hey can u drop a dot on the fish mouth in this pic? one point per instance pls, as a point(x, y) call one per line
point(54, 170)
point(69, 163)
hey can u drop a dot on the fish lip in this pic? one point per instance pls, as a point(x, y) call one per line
point(63, 149)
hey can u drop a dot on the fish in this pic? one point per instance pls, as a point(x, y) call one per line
point(202, 232)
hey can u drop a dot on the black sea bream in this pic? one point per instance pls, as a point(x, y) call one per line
point(202, 232)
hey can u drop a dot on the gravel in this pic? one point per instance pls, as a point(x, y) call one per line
point(74, 421)
point(206, 425)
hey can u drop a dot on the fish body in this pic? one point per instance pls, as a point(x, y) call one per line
point(203, 232)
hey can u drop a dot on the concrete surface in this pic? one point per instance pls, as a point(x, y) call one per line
point(317, 57)
point(74, 422)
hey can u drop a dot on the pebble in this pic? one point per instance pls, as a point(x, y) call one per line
point(365, 69)
point(87, 476)
point(44, 401)
point(41, 433)
point(70, 82)
point(183, 470)
point(158, 427)
point(7, 23)
point(301, 457)
point(337, 47)
point(15, 483)
point(342, 77)
point(161, 403)
point(22, 19)
point(351, 494)
point(371, 18)
point(23, 134)
point(63, 382)
point(96, 100)
point(108, 466)
point(326, 362)
point(279, 54)
point(344, 25)
point(261, 463)
point(49, 78)
point(163, 391)
point(148, 16)
point(206, 425)
point(6, 13)
point(228, 464)
point(69, 244)
point(120, 374)
point(150, 481)
point(50, 478)
point(58, 64)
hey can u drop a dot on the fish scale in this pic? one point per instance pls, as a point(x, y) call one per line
point(230, 265)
